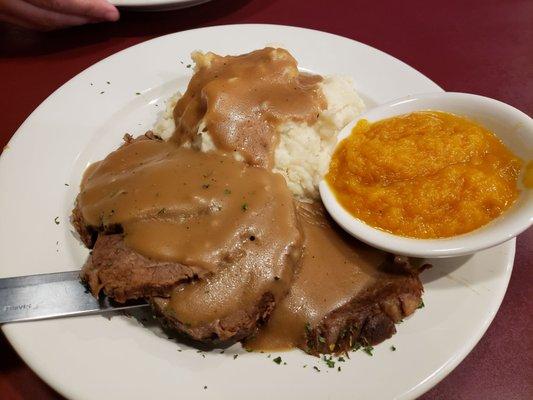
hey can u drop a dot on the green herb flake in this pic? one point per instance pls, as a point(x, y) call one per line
point(368, 350)
point(421, 305)
point(162, 211)
point(249, 350)
point(329, 362)
point(341, 359)
point(244, 207)
point(56, 220)
point(66, 184)
point(269, 355)
point(321, 339)
point(138, 93)
point(393, 348)
point(221, 351)
point(339, 369)
point(205, 387)
point(305, 366)
point(227, 191)
point(277, 360)
point(235, 356)
point(307, 327)
point(316, 368)
point(109, 83)
point(189, 65)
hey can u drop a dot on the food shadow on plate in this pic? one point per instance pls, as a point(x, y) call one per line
point(447, 273)
point(443, 266)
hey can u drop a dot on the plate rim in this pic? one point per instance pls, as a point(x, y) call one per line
point(158, 5)
point(415, 391)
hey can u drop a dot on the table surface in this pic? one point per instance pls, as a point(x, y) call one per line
point(483, 47)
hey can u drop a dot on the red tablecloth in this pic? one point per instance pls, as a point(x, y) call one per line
point(483, 47)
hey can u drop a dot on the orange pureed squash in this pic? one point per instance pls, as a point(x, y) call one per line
point(426, 174)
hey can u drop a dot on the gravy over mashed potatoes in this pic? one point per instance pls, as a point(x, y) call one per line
point(304, 147)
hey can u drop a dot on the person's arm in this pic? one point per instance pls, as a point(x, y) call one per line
point(54, 14)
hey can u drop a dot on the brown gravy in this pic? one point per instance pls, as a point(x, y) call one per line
point(335, 268)
point(242, 98)
point(195, 208)
point(201, 209)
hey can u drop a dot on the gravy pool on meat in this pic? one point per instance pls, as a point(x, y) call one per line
point(201, 209)
point(335, 268)
point(242, 98)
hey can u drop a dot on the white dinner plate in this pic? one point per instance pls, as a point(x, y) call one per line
point(156, 5)
point(95, 357)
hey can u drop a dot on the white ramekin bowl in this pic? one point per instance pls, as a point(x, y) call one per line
point(512, 126)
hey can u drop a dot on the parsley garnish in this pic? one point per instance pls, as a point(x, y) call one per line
point(329, 361)
point(227, 191)
point(235, 356)
point(321, 339)
point(277, 360)
point(393, 348)
point(244, 206)
point(56, 220)
point(316, 368)
point(421, 305)
point(368, 350)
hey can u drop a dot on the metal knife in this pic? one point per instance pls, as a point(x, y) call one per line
point(43, 296)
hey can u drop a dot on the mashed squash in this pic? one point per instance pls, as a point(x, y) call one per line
point(425, 175)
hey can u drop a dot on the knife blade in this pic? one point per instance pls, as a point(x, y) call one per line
point(43, 296)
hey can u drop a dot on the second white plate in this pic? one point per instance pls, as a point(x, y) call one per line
point(156, 5)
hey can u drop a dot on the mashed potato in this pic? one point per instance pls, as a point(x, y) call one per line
point(304, 151)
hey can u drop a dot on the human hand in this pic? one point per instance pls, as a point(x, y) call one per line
point(45, 15)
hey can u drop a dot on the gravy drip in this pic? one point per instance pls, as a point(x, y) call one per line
point(241, 100)
point(335, 268)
